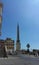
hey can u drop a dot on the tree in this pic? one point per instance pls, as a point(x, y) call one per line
point(28, 46)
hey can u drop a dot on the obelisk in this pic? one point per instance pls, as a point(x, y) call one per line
point(18, 45)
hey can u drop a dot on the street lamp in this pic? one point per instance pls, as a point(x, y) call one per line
point(1, 10)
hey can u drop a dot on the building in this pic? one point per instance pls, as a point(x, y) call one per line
point(18, 45)
point(36, 52)
point(6, 47)
point(2, 49)
point(9, 45)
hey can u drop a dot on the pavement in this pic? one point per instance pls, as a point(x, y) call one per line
point(20, 60)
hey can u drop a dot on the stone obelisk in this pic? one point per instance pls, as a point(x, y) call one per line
point(18, 45)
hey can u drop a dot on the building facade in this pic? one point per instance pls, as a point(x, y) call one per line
point(36, 52)
point(9, 45)
point(2, 49)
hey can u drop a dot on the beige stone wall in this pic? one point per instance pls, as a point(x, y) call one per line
point(18, 46)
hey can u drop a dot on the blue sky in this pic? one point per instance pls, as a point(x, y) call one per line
point(26, 12)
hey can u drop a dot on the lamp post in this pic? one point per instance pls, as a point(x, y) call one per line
point(1, 10)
